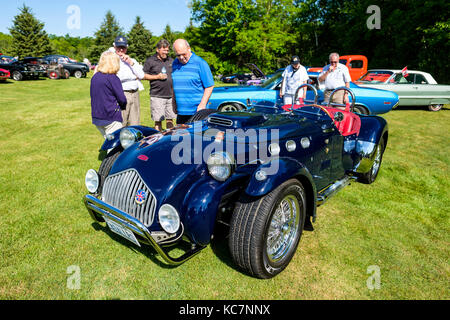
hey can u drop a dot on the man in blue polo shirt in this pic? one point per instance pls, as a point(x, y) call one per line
point(193, 81)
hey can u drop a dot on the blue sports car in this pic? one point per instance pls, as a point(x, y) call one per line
point(233, 98)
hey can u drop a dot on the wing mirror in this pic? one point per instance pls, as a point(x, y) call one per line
point(338, 116)
point(249, 103)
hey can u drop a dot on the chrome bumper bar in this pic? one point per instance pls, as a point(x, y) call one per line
point(98, 208)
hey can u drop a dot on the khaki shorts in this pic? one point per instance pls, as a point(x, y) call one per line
point(105, 130)
point(132, 114)
point(162, 108)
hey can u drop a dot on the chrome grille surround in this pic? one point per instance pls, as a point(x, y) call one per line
point(120, 190)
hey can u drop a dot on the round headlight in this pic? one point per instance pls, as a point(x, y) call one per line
point(169, 218)
point(92, 180)
point(128, 136)
point(220, 165)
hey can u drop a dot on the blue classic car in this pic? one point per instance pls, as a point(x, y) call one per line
point(260, 173)
point(368, 100)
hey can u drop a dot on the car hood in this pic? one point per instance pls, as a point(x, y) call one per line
point(256, 71)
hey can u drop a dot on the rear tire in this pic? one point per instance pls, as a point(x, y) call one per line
point(54, 74)
point(17, 76)
point(435, 107)
point(265, 231)
point(230, 107)
point(361, 110)
point(371, 176)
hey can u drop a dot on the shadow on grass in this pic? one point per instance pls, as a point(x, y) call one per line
point(219, 246)
point(145, 250)
point(420, 108)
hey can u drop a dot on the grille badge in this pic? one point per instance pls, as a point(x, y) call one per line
point(140, 196)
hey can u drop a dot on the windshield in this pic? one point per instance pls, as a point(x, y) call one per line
point(376, 76)
point(273, 81)
point(343, 61)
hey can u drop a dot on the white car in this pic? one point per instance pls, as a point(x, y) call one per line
point(417, 88)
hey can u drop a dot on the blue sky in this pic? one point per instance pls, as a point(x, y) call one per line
point(81, 18)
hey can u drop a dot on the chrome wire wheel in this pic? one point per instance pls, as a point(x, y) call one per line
point(283, 228)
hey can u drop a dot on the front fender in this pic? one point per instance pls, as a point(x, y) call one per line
point(277, 173)
point(287, 168)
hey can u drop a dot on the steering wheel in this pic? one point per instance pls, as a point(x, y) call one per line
point(348, 107)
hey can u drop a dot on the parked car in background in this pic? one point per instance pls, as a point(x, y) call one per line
point(75, 69)
point(414, 88)
point(27, 68)
point(254, 78)
point(260, 175)
point(233, 98)
point(357, 65)
point(4, 75)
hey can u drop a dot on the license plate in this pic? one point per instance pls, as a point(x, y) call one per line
point(121, 231)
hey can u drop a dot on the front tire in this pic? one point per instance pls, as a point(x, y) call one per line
point(105, 168)
point(78, 74)
point(265, 231)
point(361, 110)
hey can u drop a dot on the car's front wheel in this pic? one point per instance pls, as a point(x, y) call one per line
point(265, 231)
point(54, 74)
point(435, 107)
point(105, 168)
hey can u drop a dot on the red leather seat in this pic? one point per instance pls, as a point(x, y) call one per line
point(351, 124)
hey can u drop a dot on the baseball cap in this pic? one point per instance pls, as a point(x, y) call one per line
point(120, 41)
point(295, 60)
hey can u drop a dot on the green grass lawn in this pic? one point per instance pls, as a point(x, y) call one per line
point(400, 224)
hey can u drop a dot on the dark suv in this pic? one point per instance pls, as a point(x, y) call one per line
point(76, 69)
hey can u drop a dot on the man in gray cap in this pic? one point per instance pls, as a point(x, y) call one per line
point(130, 74)
point(293, 76)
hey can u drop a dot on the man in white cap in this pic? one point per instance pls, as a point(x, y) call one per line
point(293, 77)
point(130, 74)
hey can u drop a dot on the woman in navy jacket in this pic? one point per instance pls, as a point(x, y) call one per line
point(107, 97)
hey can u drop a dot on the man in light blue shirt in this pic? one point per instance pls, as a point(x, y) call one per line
point(335, 75)
point(293, 77)
point(193, 81)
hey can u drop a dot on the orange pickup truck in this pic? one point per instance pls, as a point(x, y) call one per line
point(356, 64)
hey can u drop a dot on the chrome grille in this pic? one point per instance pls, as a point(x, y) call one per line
point(120, 190)
point(220, 121)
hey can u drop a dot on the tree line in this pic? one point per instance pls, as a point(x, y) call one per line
point(230, 33)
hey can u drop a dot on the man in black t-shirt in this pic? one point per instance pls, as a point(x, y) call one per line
point(158, 69)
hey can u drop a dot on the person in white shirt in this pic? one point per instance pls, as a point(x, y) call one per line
point(293, 77)
point(335, 75)
point(130, 74)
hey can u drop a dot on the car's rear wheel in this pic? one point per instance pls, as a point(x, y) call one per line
point(230, 107)
point(17, 75)
point(435, 107)
point(265, 231)
point(78, 74)
point(54, 74)
point(200, 115)
point(369, 177)
point(360, 109)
